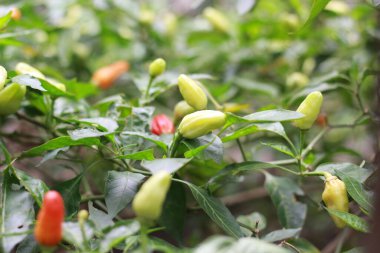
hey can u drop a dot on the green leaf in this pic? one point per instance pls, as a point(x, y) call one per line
point(79, 89)
point(86, 133)
point(254, 221)
point(35, 187)
point(117, 234)
point(102, 123)
point(4, 150)
point(149, 137)
point(72, 233)
point(356, 191)
point(208, 147)
point(99, 218)
point(120, 189)
point(316, 8)
point(282, 234)
point(257, 246)
point(303, 245)
point(28, 245)
point(276, 128)
point(169, 165)
point(352, 220)
point(216, 211)
point(147, 154)
point(257, 87)
point(4, 20)
point(60, 142)
point(71, 194)
point(54, 91)
point(349, 169)
point(283, 192)
point(29, 81)
point(224, 244)
point(273, 116)
point(17, 212)
point(174, 211)
point(280, 147)
point(234, 169)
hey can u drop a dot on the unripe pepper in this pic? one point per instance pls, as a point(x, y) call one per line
point(192, 93)
point(106, 76)
point(200, 123)
point(297, 80)
point(161, 124)
point(181, 109)
point(48, 229)
point(157, 67)
point(11, 97)
point(149, 200)
point(217, 19)
point(3, 76)
point(310, 107)
point(335, 197)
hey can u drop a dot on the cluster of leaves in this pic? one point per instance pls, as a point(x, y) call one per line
point(102, 140)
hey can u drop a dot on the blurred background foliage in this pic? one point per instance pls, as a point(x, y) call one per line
point(265, 58)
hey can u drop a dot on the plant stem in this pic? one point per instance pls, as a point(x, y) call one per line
point(173, 147)
point(92, 197)
point(241, 149)
point(211, 97)
point(313, 142)
point(149, 86)
point(84, 236)
point(299, 156)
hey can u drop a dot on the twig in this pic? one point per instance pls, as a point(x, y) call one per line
point(332, 245)
point(34, 122)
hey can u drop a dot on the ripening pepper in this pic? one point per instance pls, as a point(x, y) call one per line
point(157, 67)
point(11, 96)
point(297, 80)
point(335, 197)
point(149, 200)
point(181, 109)
point(310, 107)
point(192, 93)
point(217, 20)
point(322, 120)
point(106, 76)
point(200, 123)
point(16, 14)
point(48, 229)
point(161, 124)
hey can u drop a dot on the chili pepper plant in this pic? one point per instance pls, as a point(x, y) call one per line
point(164, 126)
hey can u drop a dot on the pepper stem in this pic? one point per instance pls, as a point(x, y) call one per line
point(173, 147)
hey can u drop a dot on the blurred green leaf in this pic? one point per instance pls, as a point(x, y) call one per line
point(283, 192)
point(59, 142)
point(120, 189)
point(169, 165)
point(17, 212)
point(216, 211)
point(71, 195)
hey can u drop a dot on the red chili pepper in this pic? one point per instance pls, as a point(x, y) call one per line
point(161, 124)
point(48, 229)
